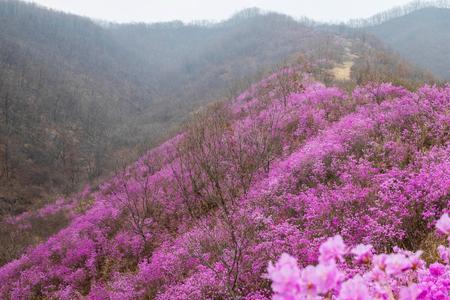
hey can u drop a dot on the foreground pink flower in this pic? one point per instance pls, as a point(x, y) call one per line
point(285, 276)
point(320, 280)
point(443, 224)
point(327, 278)
point(444, 253)
point(379, 262)
point(354, 289)
point(333, 249)
point(396, 264)
point(308, 282)
point(412, 292)
point(363, 253)
point(401, 275)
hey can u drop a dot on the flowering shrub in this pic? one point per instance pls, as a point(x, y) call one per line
point(287, 163)
point(401, 275)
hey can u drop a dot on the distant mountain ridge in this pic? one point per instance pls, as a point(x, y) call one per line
point(398, 12)
point(422, 37)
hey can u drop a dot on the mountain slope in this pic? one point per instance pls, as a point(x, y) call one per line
point(60, 75)
point(422, 37)
point(76, 96)
point(79, 99)
point(284, 165)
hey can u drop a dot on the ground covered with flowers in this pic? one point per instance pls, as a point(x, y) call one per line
point(289, 166)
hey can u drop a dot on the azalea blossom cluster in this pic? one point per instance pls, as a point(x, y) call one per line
point(285, 164)
point(401, 275)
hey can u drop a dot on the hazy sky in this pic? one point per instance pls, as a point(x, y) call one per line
point(188, 10)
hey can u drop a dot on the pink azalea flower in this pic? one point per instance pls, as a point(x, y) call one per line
point(377, 275)
point(415, 261)
point(443, 253)
point(308, 282)
point(437, 269)
point(354, 289)
point(363, 253)
point(327, 277)
point(443, 224)
point(379, 262)
point(412, 292)
point(320, 279)
point(285, 276)
point(334, 248)
point(396, 264)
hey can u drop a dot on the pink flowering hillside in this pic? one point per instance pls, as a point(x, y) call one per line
point(293, 190)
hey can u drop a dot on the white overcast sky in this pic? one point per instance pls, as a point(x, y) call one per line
point(189, 10)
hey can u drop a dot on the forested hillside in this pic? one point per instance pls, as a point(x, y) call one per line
point(77, 97)
point(65, 86)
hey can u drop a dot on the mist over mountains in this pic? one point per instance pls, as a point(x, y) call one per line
point(76, 95)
